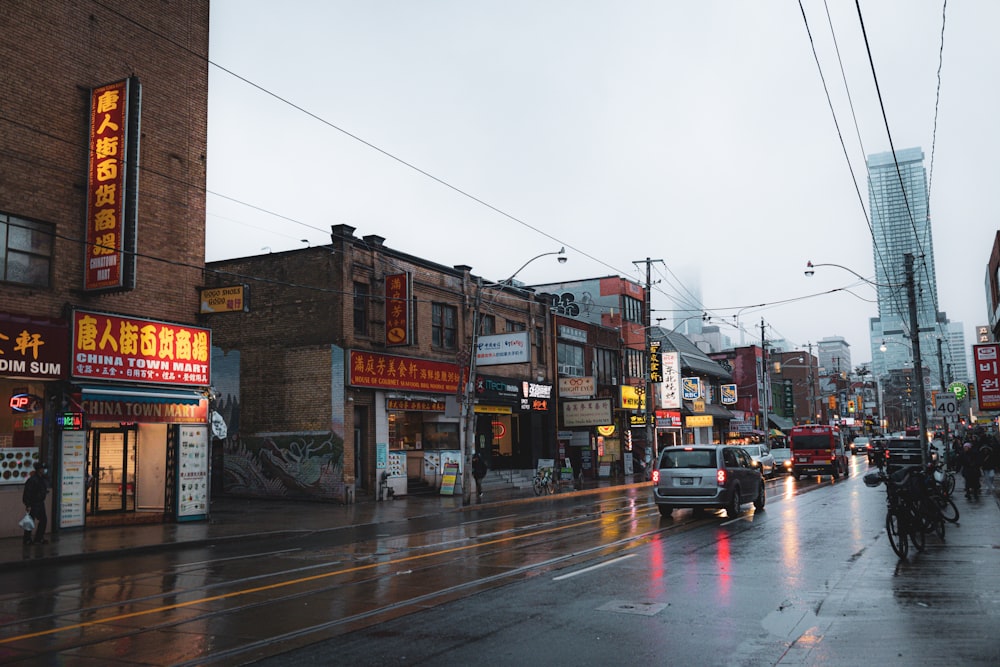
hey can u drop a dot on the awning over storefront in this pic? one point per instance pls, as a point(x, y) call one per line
point(782, 423)
point(141, 395)
point(144, 404)
point(710, 409)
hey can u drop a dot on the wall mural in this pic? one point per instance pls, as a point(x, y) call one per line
point(305, 465)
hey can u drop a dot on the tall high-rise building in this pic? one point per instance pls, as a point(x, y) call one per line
point(901, 225)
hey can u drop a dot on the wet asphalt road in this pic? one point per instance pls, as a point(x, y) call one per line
point(589, 580)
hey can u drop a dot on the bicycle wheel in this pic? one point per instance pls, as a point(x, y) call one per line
point(538, 486)
point(916, 529)
point(947, 507)
point(949, 484)
point(897, 534)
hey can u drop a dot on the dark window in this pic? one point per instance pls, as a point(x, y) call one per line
point(632, 309)
point(540, 344)
point(361, 301)
point(25, 251)
point(444, 323)
point(487, 325)
point(608, 370)
point(570, 360)
point(516, 326)
point(635, 363)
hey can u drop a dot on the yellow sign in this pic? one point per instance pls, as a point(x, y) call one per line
point(230, 299)
point(606, 431)
point(493, 409)
point(698, 421)
point(699, 405)
point(633, 398)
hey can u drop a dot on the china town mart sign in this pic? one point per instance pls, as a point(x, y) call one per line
point(131, 349)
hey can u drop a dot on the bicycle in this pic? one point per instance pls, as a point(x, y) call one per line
point(543, 483)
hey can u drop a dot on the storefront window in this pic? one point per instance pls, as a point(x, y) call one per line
point(20, 429)
point(411, 431)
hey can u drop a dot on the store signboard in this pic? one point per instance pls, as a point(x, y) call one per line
point(73, 478)
point(595, 412)
point(986, 359)
point(133, 349)
point(669, 388)
point(508, 348)
point(397, 309)
point(229, 299)
point(583, 387)
point(33, 348)
point(192, 476)
point(113, 175)
point(389, 371)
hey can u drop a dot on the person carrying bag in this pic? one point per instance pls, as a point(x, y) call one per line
point(35, 490)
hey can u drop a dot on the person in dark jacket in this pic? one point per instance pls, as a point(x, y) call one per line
point(35, 490)
point(478, 473)
point(971, 470)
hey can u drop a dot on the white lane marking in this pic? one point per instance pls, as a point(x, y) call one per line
point(505, 516)
point(593, 567)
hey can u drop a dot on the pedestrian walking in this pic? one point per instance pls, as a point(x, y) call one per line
point(970, 470)
point(988, 462)
point(478, 473)
point(33, 497)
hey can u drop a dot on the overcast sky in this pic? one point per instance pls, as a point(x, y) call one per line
point(697, 133)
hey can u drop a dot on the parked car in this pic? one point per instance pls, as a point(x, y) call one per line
point(860, 445)
point(762, 458)
point(707, 476)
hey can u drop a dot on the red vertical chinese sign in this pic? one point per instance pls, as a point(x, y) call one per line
point(397, 309)
point(985, 358)
point(112, 175)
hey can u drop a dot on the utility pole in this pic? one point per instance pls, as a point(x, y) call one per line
point(468, 403)
point(944, 388)
point(766, 380)
point(810, 391)
point(918, 363)
point(649, 412)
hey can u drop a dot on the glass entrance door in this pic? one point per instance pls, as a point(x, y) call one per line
point(112, 458)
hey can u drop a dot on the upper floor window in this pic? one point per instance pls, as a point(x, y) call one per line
point(361, 301)
point(25, 251)
point(635, 363)
point(632, 309)
point(487, 325)
point(570, 360)
point(444, 326)
point(516, 326)
point(608, 370)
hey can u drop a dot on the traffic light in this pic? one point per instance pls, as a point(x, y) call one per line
point(972, 391)
point(832, 402)
point(850, 406)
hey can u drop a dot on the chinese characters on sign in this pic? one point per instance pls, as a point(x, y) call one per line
point(655, 362)
point(106, 347)
point(397, 309)
point(113, 157)
point(32, 348)
point(669, 388)
point(986, 359)
point(387, 371)
point(587, 413)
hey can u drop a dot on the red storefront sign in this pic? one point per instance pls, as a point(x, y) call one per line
point(987, 361)
point(130, 349)
point(397, 309)
point(143, 411)
point(33, 348)
point(113, 157)
point(388, 371)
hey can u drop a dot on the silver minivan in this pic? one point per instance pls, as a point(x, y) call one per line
point(707, 476)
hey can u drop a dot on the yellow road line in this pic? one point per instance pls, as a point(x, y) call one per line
point(282, 584)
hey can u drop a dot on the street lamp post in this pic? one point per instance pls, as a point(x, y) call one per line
point(468, 413)
point(918, 366)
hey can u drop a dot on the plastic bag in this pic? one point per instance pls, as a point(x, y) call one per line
point(27, 523)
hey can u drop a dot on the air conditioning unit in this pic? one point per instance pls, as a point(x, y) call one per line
point(566, 369)
point(614, 380)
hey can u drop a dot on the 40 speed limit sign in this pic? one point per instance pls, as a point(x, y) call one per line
point(945, 404)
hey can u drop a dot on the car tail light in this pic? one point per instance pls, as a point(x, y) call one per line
point(656, 477)
point(720, 477)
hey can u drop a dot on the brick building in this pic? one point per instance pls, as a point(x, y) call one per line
point(349, 360)
point(102, 214)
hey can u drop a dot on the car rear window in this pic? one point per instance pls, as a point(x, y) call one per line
point(811, 442)
point(684, 458)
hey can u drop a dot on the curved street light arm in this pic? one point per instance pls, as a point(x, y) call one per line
point(810, 266)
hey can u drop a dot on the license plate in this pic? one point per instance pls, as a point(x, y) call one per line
point(687, 481)
point(803, 459)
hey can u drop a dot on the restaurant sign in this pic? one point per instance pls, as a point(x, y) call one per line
point(388, 371)
point(33, 348)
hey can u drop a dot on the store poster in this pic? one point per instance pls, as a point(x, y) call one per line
point(73, 496)
point(192, 480)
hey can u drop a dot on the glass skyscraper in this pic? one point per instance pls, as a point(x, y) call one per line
point(901, 224)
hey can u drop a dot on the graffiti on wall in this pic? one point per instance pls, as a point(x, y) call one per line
point(288, 465)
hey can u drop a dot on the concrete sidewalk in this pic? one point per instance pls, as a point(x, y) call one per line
point(242, 518)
